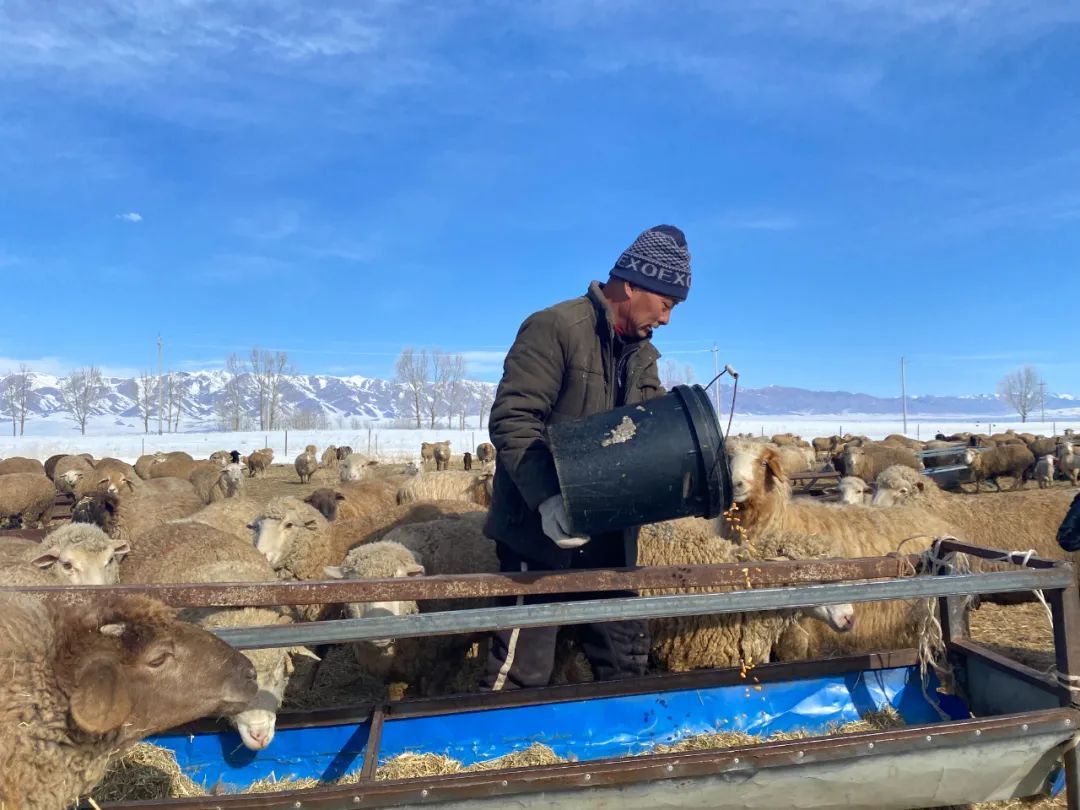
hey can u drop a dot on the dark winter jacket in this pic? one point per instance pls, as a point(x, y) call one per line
point(562, 366)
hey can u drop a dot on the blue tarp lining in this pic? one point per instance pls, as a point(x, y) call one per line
point(581, 730)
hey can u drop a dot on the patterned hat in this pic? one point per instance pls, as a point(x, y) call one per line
point(658, 261)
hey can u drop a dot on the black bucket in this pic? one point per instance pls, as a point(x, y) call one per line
point(642, 463)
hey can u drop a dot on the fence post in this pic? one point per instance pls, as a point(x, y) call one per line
point(286, 442)
point(376, 444)
point(143, 453)
point(266, 441)
point(369, 441)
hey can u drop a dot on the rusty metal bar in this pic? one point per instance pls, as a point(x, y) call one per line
point(464, 586)
point(374, 742)
point(478, 620)
point(998, 555)
point(741, 762)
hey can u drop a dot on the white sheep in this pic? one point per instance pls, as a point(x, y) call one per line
point(1044, 472)
point(355, 467)
point(305, 465)
point(853, 490)
point(1068, 460)
point(213, 483)
point(448, 485)
point(74, 554)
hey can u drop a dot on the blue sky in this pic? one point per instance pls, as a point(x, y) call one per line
point(857, 180)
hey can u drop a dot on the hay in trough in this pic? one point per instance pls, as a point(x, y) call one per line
point(145, 772)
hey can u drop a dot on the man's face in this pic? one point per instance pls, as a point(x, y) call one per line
point(647, 311)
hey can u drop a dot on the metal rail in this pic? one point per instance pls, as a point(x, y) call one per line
point(644, 607)
point(468, 586)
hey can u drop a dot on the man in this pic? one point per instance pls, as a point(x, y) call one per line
point(584, 356)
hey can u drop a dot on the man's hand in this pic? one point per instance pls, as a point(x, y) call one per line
point(556, 524)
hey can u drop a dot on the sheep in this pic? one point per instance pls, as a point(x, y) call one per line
point(1044, 472)
point(900, 440)
point(305, 465)
point(485, 451)
point(1068, 460)
point(89, 681)
point(144, 462)
point(128, 518)
point(329, 456)
point(16, 464)
point(233, 516)
point(27, 497)
point(1013, 521)
point(74, 554)
point(65, 481)
point(355, 467)
point(115, 476)
point(172, 465)
point(344, 452)
point(258, 462)
point(867, 461)
point(298, 541)
point(853, 490)
point(220, 457)
point(441, 453)
point(1068, 533)
point(354, 499)
point(448, 485)
point(763, 508)
point(466, 461)
point(167, 487)
point(790, 440)
point(235, 457)
point(447, 546)
point(50, 463)
point(311, 448)
point(1004, 459)
point(726, 640)
point(185, 551)
point(213, 483)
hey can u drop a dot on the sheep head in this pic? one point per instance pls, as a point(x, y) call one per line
point(898, 485)
point(854, 491)
point(284, 527)
point(129, 668)
point(840, 618)
point(99, 509)
point(379, 560)
point(755, 469)
point(82, 563)
point(326, 501)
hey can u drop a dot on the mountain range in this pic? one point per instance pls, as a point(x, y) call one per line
point(336, 401)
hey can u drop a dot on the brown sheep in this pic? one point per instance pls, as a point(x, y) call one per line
point(16, 464)
point(258, 462)
point(306, 464)
point(869, 460)
point(25, 497)
point(50, 463)
point(329, 456)
point(1009, 458)
point(441, 453)
point(173, 465)
point(485, 452)
point(344, 452)
point(466, 461)
point(93, 680)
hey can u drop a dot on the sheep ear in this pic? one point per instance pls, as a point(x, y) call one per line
point(104, 480)
point(772, 461)
point(311, 525)
point(305, 652)
point(129, 482)
point(920, 485)
point(101, 702)
point(338, 496)
point(120, 548)
point(114, 630)
point(410, 570)
point(334, 571)
point(46, 560)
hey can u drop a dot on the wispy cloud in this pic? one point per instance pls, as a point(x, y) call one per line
point(41, 365)
point(484, 363)
point(130, 216)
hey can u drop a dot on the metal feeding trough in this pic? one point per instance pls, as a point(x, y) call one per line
point(1005, 736)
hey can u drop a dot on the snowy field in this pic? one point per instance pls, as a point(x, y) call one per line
point(105, 439)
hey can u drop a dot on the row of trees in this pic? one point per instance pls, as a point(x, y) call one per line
point(435, 382)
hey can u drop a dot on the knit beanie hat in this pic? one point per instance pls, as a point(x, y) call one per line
point(658, 261)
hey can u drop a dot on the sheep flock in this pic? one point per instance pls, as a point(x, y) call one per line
point(172, 518)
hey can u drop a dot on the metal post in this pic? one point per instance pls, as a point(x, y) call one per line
point(1042, 399)
point(903, 390)
point(286, 442)
point(1065, 609)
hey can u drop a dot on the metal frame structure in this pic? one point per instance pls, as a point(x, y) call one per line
point(995, 685)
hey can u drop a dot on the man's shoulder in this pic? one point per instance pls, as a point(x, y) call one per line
point(565, 314)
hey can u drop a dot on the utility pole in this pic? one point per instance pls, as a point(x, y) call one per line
point(903, 390)
point(160, 387)
point(1042, 398)
point(716, 371)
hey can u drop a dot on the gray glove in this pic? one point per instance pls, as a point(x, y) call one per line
point(556, 524)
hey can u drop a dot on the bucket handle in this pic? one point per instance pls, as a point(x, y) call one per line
point(734, 393)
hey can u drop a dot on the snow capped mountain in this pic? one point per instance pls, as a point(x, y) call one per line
point(335, 401)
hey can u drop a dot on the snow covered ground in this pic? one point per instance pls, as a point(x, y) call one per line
point(103, 438)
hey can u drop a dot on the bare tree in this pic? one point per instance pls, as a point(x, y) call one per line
point(10, 404)
point(269, 369)
point(231, 403)
point(81, 392)
point(412, 372)
point(1020, 389)
point(146, 396)
point(486, 396)
point(457, 393)
point(176, 401)
point(671, 375)
point(22, 395)
point(447, 370)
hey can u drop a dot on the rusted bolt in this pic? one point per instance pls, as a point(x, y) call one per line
point(297, 805)
point(1024, 727)
point(504, 783)
point(424, 793)
point(670, 768)
point(1068, 722)
point(800, 755)
point(929, 738)
point(978, 732)
point(870, 746)
point(735, 761)
point(588, 777)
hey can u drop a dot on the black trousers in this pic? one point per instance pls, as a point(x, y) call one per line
point(526, 656)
